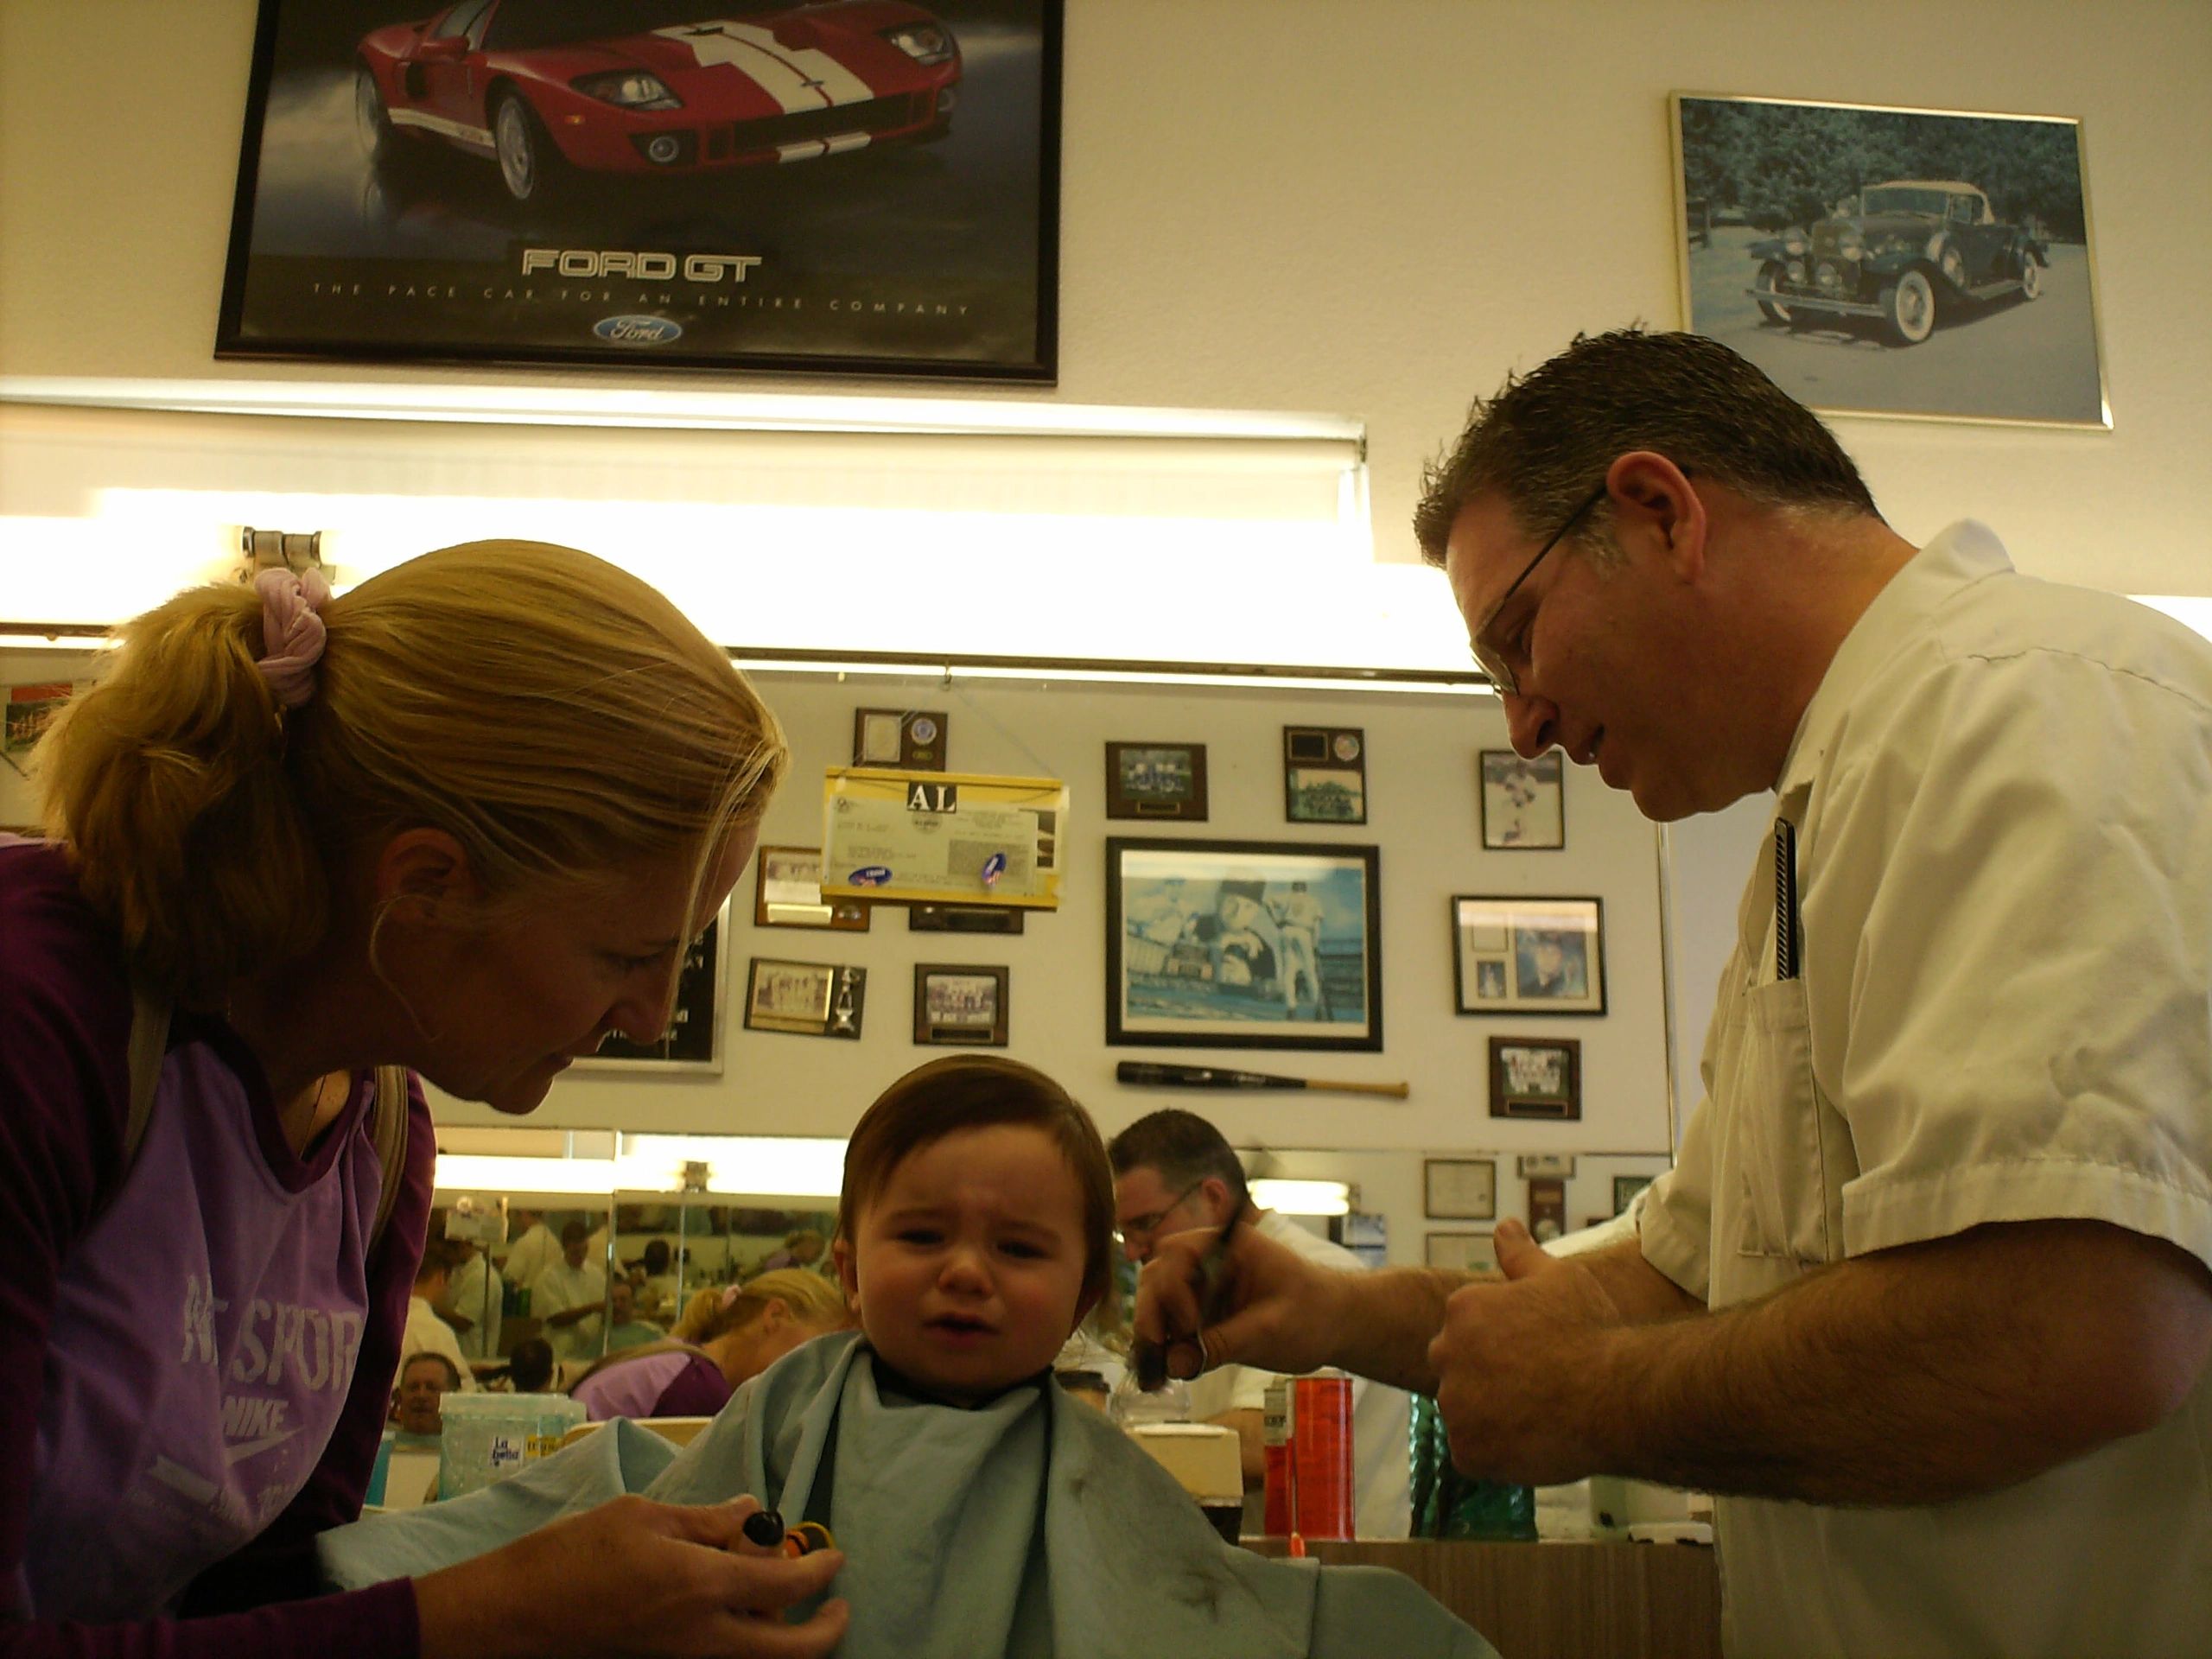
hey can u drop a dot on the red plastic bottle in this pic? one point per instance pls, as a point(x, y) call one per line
point(1321, 1454)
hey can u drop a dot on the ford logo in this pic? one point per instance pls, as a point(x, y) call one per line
point(638, 331)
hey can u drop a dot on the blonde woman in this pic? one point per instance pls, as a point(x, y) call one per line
point(462, 821)
point(737, 1333)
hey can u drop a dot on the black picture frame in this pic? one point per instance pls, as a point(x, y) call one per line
point(1522, 954)
point(961, 1004)
point(1536, 1076)
point(816, 206)
point(1198, 933)
point(693, 1041)
point(1156, 781)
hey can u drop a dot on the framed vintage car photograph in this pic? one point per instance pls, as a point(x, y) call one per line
point(1523, 956)
point(786, 186)
point(1532, 1077)
point(693, 1041)
point(1243, 944)
point(805, 999)
point(1524, 802)
point(960, 1003)
point(1156, 780)
point(1876, 260)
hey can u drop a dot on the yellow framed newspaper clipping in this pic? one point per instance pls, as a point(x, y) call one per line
point(933, 838)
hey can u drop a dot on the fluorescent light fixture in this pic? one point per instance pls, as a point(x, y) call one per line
point(788, 1167)
point(1303, 1198)
point(477, 1171)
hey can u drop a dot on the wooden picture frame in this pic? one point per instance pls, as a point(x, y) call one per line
point(1459, 1188)
point(1324, 774)
point(1243, 944)
point(1158, 781)
point(1536, 1076)
point(958, 1004)
point(787, 893)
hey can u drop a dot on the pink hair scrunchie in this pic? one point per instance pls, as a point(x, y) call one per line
point(291, 634)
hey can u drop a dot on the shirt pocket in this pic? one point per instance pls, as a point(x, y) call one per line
point(1790, 1199)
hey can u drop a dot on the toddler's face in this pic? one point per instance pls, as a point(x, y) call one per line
point(967, 1267)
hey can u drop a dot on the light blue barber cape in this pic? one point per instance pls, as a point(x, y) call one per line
point(1028, 1526)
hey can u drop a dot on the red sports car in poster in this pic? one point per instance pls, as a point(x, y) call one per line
point(549, 89)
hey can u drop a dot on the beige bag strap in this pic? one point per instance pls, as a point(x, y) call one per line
point(388, 1133)
point(150, 1041)
point(150, 1038)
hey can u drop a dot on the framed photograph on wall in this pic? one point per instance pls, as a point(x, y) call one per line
point(960, 1003)
point(1524, 802)
point(1876, 260)
point(1536, 1076)
point(1625, 1187)
point(787, 893)
point(1460, 1252)
point(1243, 944)
point(1324, 774)
point(1156, 780)
point(693, 1040)
point(784, 186)
point(806, 998)
point(1528, 956)
point(1459, 1188)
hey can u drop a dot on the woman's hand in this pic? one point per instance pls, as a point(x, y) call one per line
point(633, 1578)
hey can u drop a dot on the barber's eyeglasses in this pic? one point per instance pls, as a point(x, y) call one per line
point(1140, 1229)
point(1489, 656)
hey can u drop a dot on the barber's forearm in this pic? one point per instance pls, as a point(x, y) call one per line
point(1381, 1323)
point(1913, 1375)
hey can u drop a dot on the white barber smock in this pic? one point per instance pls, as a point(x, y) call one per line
point(2002, 796)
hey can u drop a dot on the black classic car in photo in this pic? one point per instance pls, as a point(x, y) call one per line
point(1917, 251)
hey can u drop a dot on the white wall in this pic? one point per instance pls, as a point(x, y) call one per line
point(1373, 207)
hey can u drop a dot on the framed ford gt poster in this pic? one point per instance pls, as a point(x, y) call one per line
point(848, 186)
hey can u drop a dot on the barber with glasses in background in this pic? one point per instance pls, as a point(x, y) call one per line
point(1174, 1171)
point(1925, 1300)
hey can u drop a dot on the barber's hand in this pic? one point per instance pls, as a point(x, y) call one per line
point(1276, 1305)
point(1508, 1360)
point(633, 1579)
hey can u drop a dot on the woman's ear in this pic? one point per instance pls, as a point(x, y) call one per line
point(774, 1317)
point(423, 875)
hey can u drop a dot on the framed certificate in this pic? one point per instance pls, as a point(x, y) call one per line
point(1459, 1188)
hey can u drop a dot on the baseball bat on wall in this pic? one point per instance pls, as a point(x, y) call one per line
point(1151, 1074)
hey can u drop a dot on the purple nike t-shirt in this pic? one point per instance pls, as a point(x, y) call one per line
point(193, 1348)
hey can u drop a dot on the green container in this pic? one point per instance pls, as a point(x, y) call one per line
point(1447, 1504)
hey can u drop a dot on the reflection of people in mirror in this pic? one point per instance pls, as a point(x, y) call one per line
point(1550, 962)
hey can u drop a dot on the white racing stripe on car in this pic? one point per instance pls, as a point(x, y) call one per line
point(461, 132)
point(797, 79)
